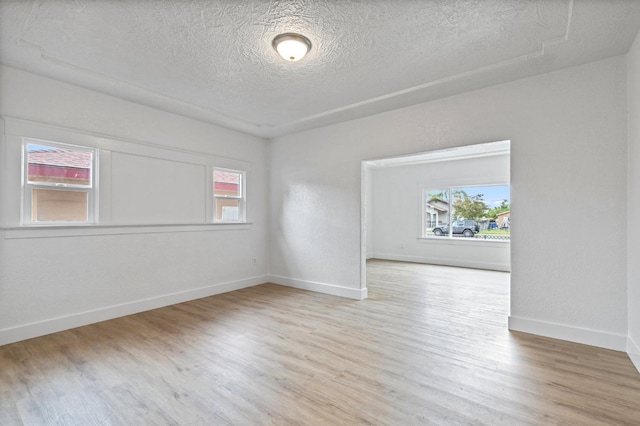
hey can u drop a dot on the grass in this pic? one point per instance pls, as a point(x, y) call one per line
point(495, 232)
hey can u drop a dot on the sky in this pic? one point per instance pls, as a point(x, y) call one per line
point(493, 195)
point(35, 147)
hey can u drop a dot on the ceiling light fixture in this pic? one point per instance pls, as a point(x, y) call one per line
point(292, 47)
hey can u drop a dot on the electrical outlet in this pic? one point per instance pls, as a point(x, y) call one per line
point(255, 261)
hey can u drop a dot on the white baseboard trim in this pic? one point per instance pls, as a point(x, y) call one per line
point(461, 263)
point(334, 290)
point(633, 350)
point(41, 328)
point(602, 339)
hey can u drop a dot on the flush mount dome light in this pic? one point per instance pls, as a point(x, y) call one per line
point(292, 47)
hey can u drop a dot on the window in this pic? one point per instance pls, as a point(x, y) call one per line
point(436, 209)
point(59, 183)
point(479, 212)
point(228, 195)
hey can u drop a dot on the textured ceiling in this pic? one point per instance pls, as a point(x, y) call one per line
point(213, 60)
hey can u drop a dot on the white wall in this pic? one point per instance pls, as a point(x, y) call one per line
point(633, 98)
point(396, 205)
point(369, 199)
point(55, 279)
point(568, 157)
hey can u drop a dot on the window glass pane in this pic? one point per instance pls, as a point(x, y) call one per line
point(485, 209)
point(54, 205)
point(228, 209)
point(58, 166)
point(437, 208)
point(227, 183)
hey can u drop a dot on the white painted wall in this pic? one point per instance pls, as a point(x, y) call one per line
point(633, 296)
point(368, 233)
point(396, 205)
point(54, 280)
point(568, 161)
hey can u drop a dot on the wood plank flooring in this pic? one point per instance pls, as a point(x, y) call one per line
point(429, 346)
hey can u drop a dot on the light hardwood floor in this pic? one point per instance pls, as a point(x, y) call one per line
point(429, 346)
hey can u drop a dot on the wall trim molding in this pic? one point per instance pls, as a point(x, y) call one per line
point(585, 336)
point(60, 231)
point(332, 289)
point(19, 126)
point(503, 267)
point(53, 325)
point(633, 350)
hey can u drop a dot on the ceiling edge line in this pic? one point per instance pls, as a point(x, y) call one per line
point(205, 114)
point(487, 68)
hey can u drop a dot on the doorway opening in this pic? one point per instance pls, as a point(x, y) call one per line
point(412, 207)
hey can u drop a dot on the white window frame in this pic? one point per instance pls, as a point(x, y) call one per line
point(242, 218)
point(449, 188)
point(91, 190)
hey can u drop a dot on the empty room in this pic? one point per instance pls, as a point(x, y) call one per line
point(319, 212)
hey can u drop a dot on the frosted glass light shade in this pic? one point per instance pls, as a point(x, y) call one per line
point(292, 47)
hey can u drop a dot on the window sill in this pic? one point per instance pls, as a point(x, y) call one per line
point(461, 241)
point(57, 231)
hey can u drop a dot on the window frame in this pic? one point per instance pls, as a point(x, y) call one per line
point(27, 187)
point(450, 188)
point(242, 198)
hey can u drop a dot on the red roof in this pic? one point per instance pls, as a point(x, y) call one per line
point(60, 158)
point(226, 177)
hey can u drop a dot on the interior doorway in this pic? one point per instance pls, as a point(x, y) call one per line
point(398, 208)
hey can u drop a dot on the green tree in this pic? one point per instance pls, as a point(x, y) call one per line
point(442, 195)
point(469, 207)
point(494, 212)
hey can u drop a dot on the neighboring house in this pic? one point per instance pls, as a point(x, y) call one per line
point(58, 167)
point(226, 184)
point(504, 220)
point(437, 212)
